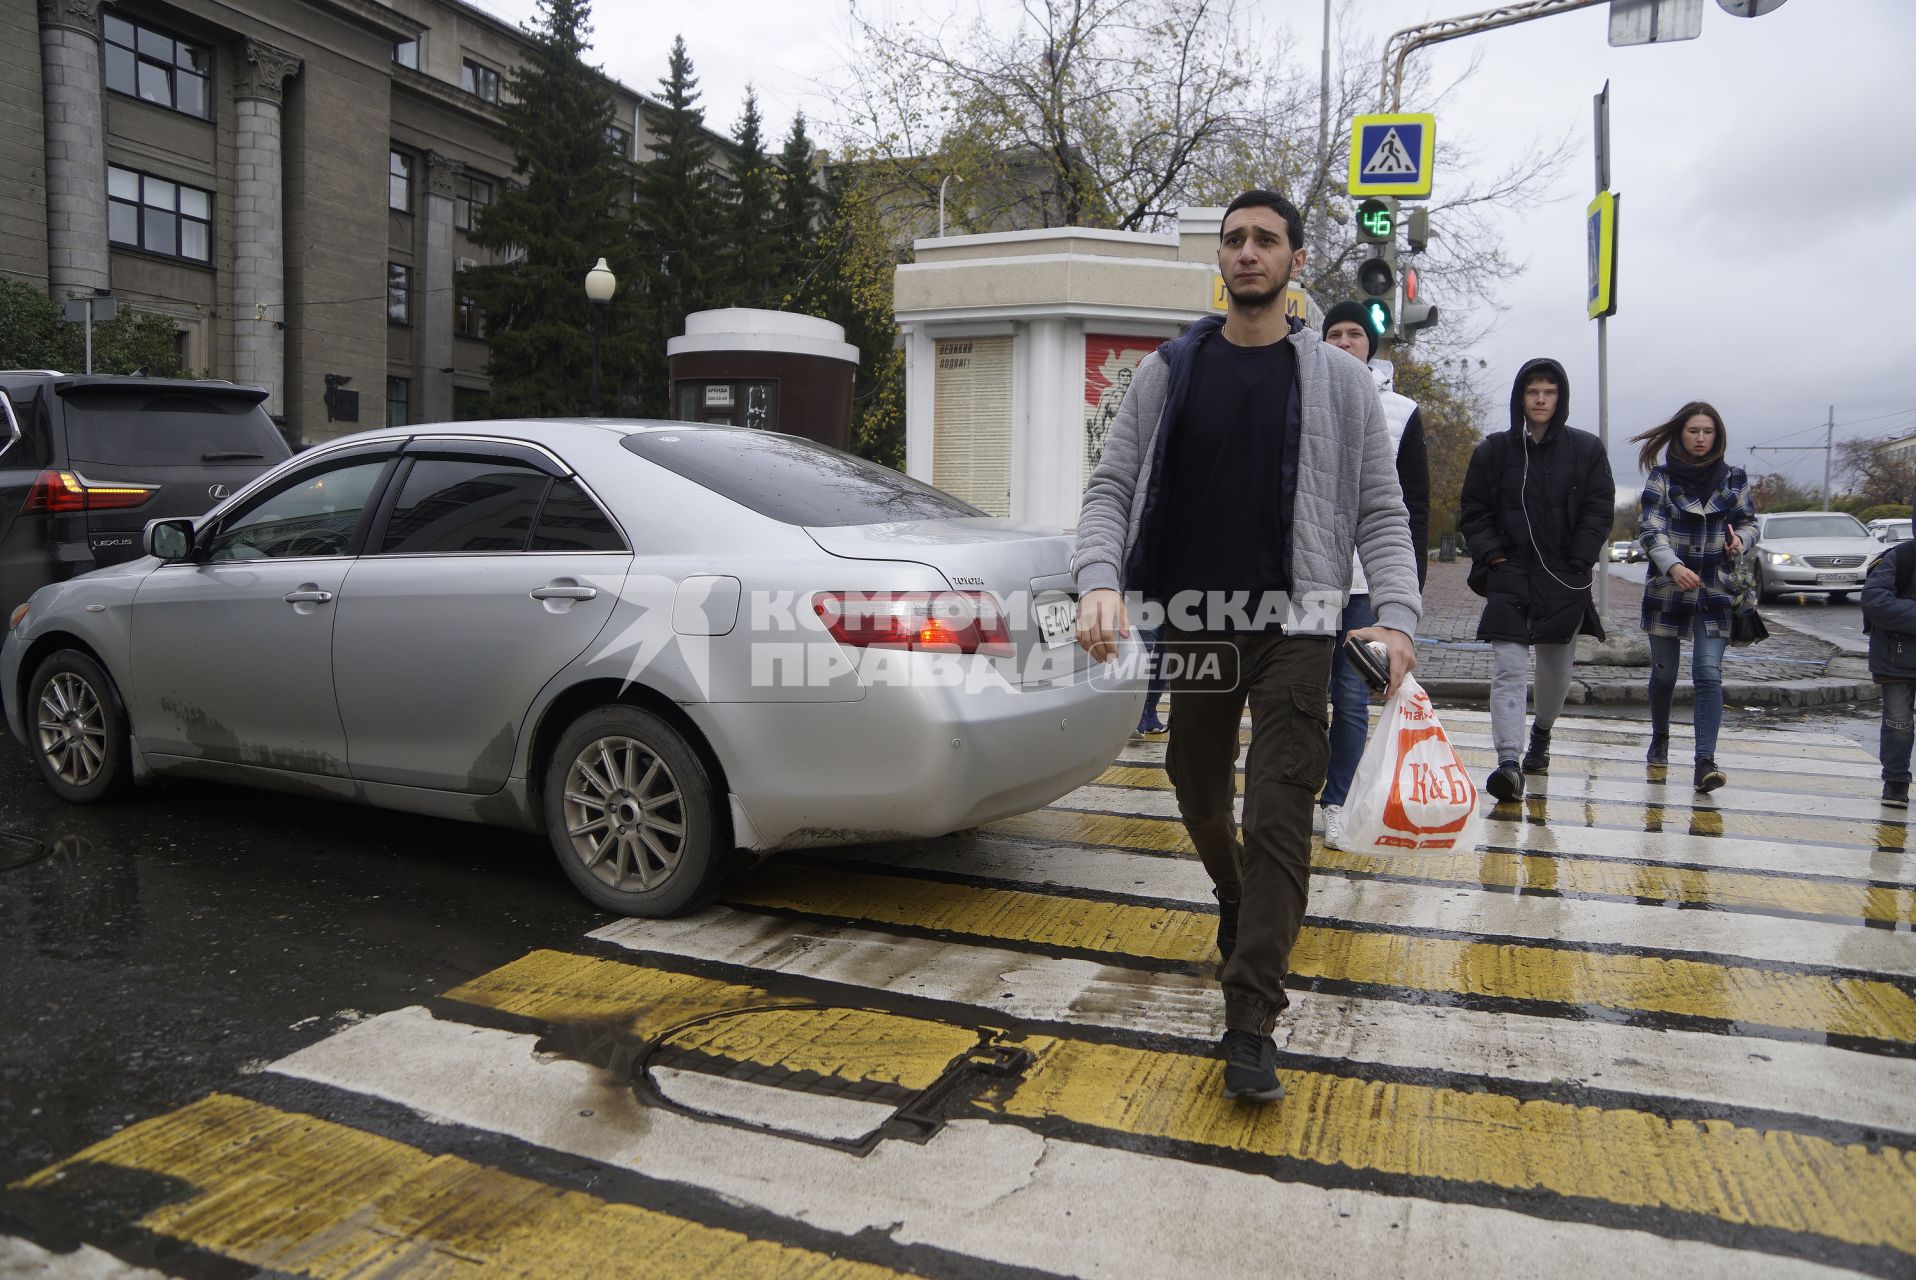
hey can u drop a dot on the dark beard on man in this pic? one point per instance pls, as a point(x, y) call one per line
point(1257, 301)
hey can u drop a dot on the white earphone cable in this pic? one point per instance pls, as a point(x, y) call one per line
point(1523, 503)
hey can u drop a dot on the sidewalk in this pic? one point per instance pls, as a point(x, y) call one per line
point(1790, 669)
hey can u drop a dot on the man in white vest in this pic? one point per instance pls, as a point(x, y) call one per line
point(1347, 326)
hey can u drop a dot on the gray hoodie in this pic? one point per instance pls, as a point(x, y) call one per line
point(1347, 494)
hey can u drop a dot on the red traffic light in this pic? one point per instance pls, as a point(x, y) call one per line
point(1410, 284)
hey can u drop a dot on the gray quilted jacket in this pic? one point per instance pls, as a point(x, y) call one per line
point(1347, 493)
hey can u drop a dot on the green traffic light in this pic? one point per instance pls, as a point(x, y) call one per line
point(1379, 315)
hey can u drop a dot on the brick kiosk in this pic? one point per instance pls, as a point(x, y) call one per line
point(769, 369)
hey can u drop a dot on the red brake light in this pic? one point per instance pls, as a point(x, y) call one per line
point(937, 621)
point(64, 492)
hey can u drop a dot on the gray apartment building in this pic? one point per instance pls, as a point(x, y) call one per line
point(290, 182)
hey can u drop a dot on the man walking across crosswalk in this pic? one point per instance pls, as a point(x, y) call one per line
point(1247, 462)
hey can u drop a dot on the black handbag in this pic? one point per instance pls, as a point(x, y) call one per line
point(1746, 628)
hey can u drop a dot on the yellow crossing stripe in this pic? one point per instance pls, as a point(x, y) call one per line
point(297, 1194)
point(1557, 975)
point(554, 986)
point(1786, 1181)
point(1567, 873)
point(1562, 811)
point(1628, 1156)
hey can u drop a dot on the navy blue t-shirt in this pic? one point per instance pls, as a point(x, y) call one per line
point(1221, 526)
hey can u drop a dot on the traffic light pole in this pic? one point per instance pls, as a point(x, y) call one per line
point(1602, 148)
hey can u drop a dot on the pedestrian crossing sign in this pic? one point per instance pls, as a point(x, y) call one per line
point(1391, 155)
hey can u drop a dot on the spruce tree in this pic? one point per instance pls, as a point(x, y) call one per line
point(564, 212)
point(678, 216)
point(755, 250)
point(796, 228)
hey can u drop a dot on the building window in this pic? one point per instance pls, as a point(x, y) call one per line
point(151, 65)
point(160, 216)
point(479, 81)
point(406, 53)
point(469, 195)
point(620, 140)
point(398, 293)
point(465, 316)
point(399, 181)
point(398, 402)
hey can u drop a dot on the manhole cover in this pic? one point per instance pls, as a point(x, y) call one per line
point(18, 850)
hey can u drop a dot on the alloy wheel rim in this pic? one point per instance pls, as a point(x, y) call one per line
point(624, 814)
point(72, 728)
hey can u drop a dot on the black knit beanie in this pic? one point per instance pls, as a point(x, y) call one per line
point(1357, 314)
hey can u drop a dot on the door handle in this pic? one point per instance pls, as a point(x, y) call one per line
point(565, 593)
point(308, 597)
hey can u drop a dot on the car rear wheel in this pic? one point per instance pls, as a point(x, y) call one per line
point(633, 815)
point(1765, 593)
point(78, 729)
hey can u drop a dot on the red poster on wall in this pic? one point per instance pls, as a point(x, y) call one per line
point(1109, 362)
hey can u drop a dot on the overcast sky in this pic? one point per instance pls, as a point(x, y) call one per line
point(1759, 167)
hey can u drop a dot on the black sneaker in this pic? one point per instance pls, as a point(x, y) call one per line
point(1896, 795)
point(1708, 776)
point(1659, 752)
point(1226, 924)
point(1250, 1067)
point(1506, 784)
point(1537, 759)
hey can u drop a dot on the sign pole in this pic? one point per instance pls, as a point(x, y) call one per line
point(1602, 107)
point(89, 337)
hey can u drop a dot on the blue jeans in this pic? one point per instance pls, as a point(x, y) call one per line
point(1153, 640)
point(1899, 730)
point(1350, 706)
point(1706, 673)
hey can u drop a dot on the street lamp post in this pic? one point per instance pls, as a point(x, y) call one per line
point(600, 284)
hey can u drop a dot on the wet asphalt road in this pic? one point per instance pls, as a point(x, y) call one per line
point(157, 948)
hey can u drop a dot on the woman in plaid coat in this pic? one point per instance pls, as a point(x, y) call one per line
point(1695, 518)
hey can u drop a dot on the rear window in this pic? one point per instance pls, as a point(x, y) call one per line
point(1817, 526)
point(793, 480)
point(138, 427)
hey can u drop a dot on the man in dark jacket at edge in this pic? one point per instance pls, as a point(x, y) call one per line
point(1537, 505)
point(1248, 461)
point(1889, 615)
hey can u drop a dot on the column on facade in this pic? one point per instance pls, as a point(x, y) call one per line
point(259, 242)
point(433, 309)
point(77, 256)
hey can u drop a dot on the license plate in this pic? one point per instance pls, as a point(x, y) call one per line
point(1839, 579)
point(1057, 621)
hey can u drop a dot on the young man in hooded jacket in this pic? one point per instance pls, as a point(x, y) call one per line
point(1537, 505)
point(1247, 462)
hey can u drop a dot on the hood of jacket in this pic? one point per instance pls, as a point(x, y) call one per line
point(1562, 415)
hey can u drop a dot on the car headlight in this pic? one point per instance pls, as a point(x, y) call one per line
point(19, 616)
point(1780, 557)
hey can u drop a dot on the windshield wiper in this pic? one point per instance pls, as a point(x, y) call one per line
point(229, 457)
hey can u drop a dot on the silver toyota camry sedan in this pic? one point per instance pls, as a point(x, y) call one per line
point(654, 643)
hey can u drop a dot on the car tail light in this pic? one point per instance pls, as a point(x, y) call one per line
point(61, 492)
point(937, 621)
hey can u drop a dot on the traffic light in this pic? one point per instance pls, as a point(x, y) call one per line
point(1377, 274)
point(1414, 314)
point(1417, 230)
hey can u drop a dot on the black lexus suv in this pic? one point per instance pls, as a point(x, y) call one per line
point(85, 462)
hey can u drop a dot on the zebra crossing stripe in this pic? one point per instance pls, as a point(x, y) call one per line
point(295, 1193)
point(1571, 978)
point(1771, 1178)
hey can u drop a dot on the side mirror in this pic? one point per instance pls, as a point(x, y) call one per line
point(171, 541)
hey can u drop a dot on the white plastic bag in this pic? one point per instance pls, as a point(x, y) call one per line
point(1411, 795)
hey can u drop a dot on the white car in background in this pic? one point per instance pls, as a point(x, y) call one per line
point(1826, 551)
